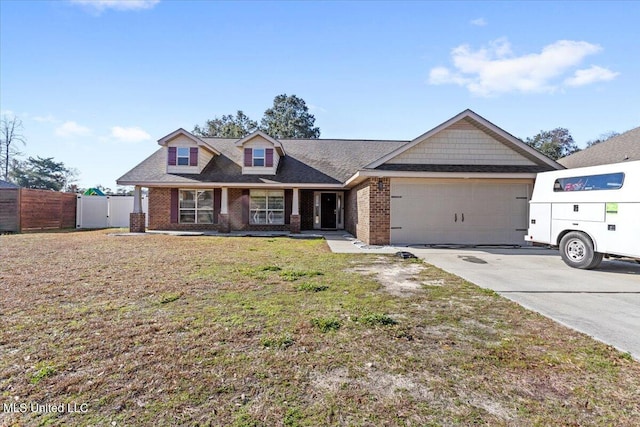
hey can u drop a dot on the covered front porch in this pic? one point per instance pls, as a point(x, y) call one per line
point(228, 209)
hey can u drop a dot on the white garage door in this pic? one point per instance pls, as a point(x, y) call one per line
point(469, 212)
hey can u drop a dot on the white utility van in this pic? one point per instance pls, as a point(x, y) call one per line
point(588, 212)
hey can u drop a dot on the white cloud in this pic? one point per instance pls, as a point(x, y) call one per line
point(591, 75)
point(45, 119)
point(479, 22)
point(130, 134)
point(101, 5)
point(495, 69)
point(71, 129)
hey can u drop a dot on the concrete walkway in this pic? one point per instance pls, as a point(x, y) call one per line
point(603, 303)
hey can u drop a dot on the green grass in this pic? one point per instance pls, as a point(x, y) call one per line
point(162, 330)
point(376, 319)
point(326, 324)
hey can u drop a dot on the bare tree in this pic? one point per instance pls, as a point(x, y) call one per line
point(10, 133)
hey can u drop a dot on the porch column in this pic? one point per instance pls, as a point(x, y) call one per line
point(137, 199)
point(137, 218)
point(294, 223)
point(223, 217)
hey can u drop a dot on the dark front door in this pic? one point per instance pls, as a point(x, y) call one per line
point(328, 210)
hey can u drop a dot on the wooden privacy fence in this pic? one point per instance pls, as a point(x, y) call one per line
point(24, 209)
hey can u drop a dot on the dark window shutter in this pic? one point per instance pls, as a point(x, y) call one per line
point(288, 204)
point(173, 154)
point(193, 156)
point(174, 205)
point(217, 204)
point(248, 157)
point(245, 206)
point(269, 157)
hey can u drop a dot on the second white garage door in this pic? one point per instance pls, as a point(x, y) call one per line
point(458, 211)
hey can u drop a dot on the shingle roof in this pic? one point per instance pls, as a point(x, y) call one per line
point(314, 161)
point(5, 184)
point(617, 149)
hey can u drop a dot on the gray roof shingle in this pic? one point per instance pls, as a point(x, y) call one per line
point(617, 149)
point(307, 161)
point(5, 184)
point(313, 161)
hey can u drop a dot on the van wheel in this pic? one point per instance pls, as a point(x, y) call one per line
point(576, 250)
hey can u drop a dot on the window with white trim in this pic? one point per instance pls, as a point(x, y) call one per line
point(196, 207)
point(266, 207)
point(258, 157)
point(183, 156)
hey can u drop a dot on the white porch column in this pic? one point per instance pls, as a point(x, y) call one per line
point(137, 199)
point(224, 201)
point(295, 202)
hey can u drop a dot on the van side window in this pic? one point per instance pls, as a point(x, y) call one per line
point(609, 181)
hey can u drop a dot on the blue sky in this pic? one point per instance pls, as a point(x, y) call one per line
point(97, 83)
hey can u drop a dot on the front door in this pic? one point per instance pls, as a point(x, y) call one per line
point(328, 210)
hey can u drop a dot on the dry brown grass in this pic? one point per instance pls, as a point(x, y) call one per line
point(161, 330)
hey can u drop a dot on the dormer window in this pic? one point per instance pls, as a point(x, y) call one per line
point(258, 157)
point(183, 156)
point(261, 154)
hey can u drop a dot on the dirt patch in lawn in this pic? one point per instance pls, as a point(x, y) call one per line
point(400, 278)
point(166, 330)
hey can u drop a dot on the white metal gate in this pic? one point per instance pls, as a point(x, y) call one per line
point(106, 211)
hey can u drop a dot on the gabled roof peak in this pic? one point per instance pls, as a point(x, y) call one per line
point(263, 135)
point(482, 124)
point(164, 141)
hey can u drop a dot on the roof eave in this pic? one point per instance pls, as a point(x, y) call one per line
point(210, 184)
point(376, 173)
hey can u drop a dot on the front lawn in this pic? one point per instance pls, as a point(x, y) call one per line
point(223, 331)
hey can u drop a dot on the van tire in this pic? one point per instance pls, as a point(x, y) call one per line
point(576, 250)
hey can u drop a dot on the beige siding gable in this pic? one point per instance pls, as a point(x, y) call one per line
point(181, 141)
point(260, 142)
point(204, 156)
point(461, 144)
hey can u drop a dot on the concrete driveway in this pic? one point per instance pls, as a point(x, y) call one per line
point(603, 303)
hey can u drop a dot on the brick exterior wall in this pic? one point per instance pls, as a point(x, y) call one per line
point(306, 209)
point(136, 222)
point(295, 223)
point(379, 211)
point(223, 223)
point(160, 213)
point(235, 209)
point(368, 211)
point(351, 210)
point(159, 209)
point(357, 211)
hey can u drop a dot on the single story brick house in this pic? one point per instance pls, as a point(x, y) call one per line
point(464, 181)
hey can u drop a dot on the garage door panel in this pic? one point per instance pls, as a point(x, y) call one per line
point(459, 213)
